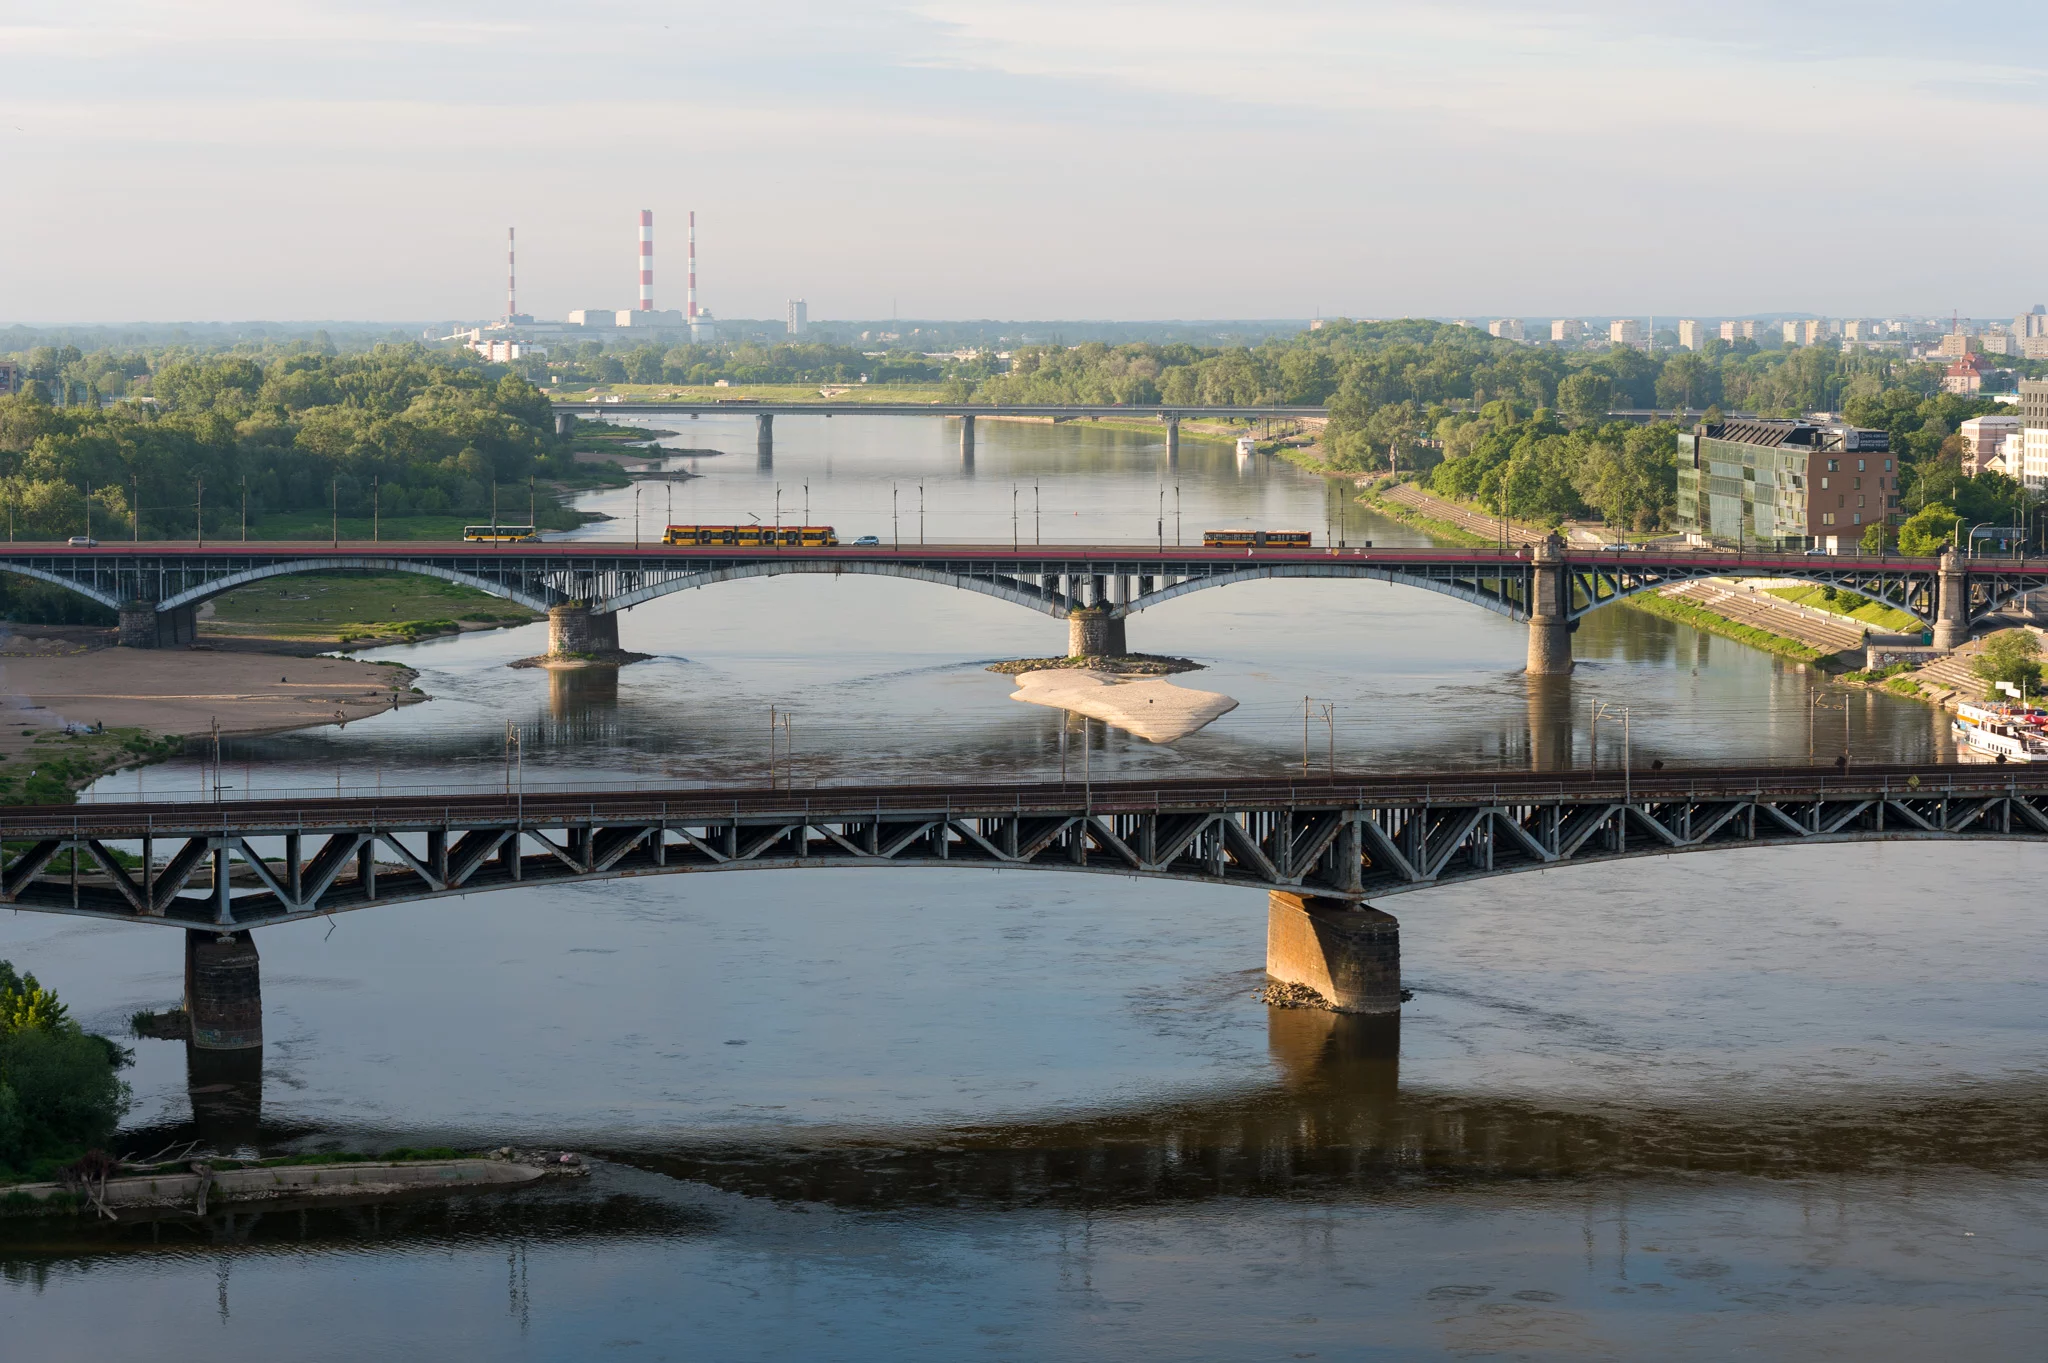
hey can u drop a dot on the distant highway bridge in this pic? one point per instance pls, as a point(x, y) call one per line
point(1319, 848)
point(764, 414)
point(584, 584)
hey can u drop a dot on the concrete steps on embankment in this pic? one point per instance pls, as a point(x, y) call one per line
point(1826, 633)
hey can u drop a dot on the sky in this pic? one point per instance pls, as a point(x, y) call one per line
point(300, 159)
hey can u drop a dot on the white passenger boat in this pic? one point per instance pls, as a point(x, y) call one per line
point(1993, 733)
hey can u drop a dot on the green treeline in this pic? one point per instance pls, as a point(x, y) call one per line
point(60, 1091)
point(302, 432)
point(745, 362)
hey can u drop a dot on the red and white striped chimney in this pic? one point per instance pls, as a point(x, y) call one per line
point(647, 260)
point(692, 288)
point(511, 279)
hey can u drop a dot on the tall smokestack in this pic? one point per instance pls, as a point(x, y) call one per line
point(511, 278)
point(691, 316)
point(647, 260)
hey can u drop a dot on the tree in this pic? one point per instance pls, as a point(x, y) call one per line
point(2012, 656)
point(59, 1093)
point(1927, 530)
point(1875, 536)
point(1586, 396)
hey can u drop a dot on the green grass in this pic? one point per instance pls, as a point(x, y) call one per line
point(57, 765)
point(349, 607)
point(1708, 622)
point(1871, 612)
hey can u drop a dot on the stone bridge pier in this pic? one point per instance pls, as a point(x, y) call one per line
point(144, 626)
point(764, 435)
point(576, 630)
point(1550, 625)
point(1952, 603)
point(223, 991)
point(967, 441)
point(1092, 631)
point(1173, 440)
point(1348, 955)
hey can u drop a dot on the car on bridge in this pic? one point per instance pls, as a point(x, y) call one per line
point(868, 542)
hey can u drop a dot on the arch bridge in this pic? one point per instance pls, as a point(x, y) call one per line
point(1096, 588)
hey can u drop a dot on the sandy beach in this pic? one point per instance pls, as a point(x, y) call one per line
point(183, 691)
point(1157, 711)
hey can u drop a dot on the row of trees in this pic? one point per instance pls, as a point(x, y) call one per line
point(1537, 467)
point(592, 362)
point(299, 433)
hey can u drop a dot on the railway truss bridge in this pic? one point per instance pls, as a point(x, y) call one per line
point(1320, 850)
point(584, 585)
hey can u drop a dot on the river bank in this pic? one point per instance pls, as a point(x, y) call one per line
point(69, 717)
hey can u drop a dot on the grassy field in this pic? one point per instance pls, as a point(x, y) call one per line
point(354, 608)
point(1871, 612)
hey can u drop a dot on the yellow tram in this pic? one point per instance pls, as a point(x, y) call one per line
point(499, 534)
point(752, 536)
point(1256, 539)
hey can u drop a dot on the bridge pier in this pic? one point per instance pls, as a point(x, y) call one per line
point(1952, 602)
point(1173, 440)
point(144, 626)
point(1550, 626)
point(967, 441)
point(574, 629)
point(565, 422)
point(138, 625)
point(223, 991)
point(1348, 955)
point(764, 434)
point(1088, 632)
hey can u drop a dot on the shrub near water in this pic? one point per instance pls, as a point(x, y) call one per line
point(59, 1091)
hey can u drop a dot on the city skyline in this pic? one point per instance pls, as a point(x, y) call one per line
point(226, 160)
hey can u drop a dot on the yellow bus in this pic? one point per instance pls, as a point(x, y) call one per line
point(1256, 539)
point(752, 536)
point(499, 534)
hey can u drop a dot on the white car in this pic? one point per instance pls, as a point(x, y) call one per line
point(83, 542)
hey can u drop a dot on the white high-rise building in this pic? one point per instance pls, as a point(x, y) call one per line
point(1691, 335)
point(1506, 329)
point(799, 317)
point(1568, 331)
point(1625, 331)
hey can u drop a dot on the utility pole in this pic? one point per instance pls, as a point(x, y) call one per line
point(376, 511)
point(199, 507)
point(88, 510)
point(245, 508)
point(334, 510)
point(134, 510)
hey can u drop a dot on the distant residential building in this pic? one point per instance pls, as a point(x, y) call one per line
point(1983, 439)
point(1738, 331)
point(1625, 331)
point(1804, 332)
point(1317, 325)
point(1506, 329)
point(1568, 330)
point(1998, 342)
point(1691, 335)
point(1955, 344)
point(799, 320)
point(1863, 329)
point(2033, 323)
point(10, 378)
point(1967, 376)
point(2035, 347)
point(1785, 484)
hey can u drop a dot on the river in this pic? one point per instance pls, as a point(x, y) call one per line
point(1778, 1103)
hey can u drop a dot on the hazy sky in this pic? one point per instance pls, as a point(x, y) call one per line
point(186, 159)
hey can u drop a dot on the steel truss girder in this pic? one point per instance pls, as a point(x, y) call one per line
point(1347, 850)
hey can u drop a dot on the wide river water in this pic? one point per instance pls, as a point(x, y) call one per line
point(1782, 1103)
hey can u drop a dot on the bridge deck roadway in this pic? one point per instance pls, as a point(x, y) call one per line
point(1271, 411)
point(269, 861)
